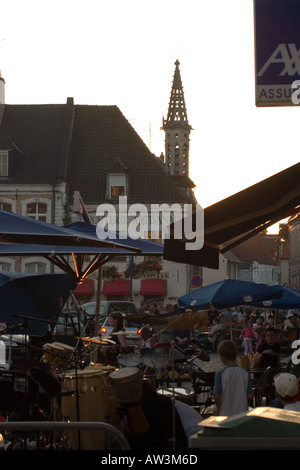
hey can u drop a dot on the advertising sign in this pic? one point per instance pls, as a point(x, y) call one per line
point(277, 52)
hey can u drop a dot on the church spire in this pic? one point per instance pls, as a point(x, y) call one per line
point(177, 129)
point(177, 115)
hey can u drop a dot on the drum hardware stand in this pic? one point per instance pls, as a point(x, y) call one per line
point(148, 365)
point(23, 325)
point(173, 440)
point(77, 398)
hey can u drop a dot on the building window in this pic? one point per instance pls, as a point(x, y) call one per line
point(5, 206)
point(4, 267)
point(37, 210)
point(35, 268)
point(116, 185)
point(3, 163)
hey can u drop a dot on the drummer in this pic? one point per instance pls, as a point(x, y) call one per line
point(116, 320)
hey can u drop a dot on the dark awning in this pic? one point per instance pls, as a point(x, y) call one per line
point(117, 287)
point(85, 288)
point(153, 287)
point(235, 219)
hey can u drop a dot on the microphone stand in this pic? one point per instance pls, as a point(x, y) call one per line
point(173, 397)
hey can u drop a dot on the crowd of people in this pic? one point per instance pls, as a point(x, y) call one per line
point(233, 388)
point(155, 308)
point(252, 327)
point(264, 335)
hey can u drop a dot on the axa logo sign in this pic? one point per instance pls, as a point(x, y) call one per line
point(288, 56)
point(278, 78)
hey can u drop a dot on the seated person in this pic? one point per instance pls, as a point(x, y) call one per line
point(116, 320)
point(267, 354)
point(167, 420)
point(182, 338)
point(213, 334)
point(147, 340)
point(287, 390)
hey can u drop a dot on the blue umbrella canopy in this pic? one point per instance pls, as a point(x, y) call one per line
point(229, 293)
point(146, 247)
point(15, 228)
point(289, 300)
point(59, 255)
point(39, 298)
point(24, 236)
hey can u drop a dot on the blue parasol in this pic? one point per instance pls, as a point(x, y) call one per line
point(229, 293)
point(40, 298)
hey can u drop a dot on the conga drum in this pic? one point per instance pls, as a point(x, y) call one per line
point(127, 384)
point(95, 401)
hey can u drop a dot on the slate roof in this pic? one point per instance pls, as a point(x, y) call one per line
point(104, 141)
point(81, 144)
point(37, 137)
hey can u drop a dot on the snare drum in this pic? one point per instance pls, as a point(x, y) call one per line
point(54, 355)
point(127, 384)
point(181, 394)
point(96, 402)
point(57, 354)
point(68, 351)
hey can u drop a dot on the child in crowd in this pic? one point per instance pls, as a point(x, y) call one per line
point(233, 386)
point(247, 335)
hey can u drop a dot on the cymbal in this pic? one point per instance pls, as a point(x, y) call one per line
point(96, 340)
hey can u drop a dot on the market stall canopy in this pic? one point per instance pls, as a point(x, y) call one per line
point(235, 219)
point(229, 293)
point(117, 287)
point(153, 287)
point(86, 287)
point(28, 303)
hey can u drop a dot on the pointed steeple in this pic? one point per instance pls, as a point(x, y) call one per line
point(177, 129)
point(177, 115)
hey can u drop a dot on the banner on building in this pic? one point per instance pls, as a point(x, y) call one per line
point(277, 52)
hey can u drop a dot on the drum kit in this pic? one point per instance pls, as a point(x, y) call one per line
point(62, 386)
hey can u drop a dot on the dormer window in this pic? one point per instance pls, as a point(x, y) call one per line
point(3, 163)
point(116, 185)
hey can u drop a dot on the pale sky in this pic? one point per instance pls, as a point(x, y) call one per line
point(122, 52)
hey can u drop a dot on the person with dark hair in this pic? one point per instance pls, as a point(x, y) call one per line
point(116, 320)
point(233, 386)
point(212, 313)
point(267, 354)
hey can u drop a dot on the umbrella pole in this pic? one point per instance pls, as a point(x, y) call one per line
point(173, 398)
point(98, 303)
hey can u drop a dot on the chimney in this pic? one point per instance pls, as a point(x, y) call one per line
point(2, 90)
